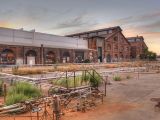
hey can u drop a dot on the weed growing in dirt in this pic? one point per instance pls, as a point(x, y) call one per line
point(117, 78)
point(1, 87)
point(21, 91)
point(128, 77)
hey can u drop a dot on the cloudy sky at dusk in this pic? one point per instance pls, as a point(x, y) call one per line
point(136, 17)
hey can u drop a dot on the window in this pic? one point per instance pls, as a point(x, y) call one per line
point(110, 31)
point(84, 35)
point(108, 47)
point(131, 40)
point(102, 33)
point(7, 57)
point(50, 57)
point(75, 36)
point(115, 38)
point(116, 47)
point(138, 40)
point(92, 34)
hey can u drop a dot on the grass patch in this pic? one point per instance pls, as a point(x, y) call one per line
point(21, 91)
point(128, 77)
point(69, 82)
point(90, 78)
point(117, 78)
point(1, 87)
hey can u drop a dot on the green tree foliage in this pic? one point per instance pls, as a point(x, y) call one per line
point(149, 55)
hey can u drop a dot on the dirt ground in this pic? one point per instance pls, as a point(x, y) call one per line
point(128, 99)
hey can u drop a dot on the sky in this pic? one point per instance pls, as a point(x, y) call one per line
point(62, 17)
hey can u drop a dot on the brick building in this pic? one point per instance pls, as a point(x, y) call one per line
point(138, 46)
point(18, 46)
point(110, 44)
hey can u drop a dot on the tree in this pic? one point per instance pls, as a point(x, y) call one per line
point(148, 55)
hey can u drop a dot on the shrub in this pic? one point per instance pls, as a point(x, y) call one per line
point(15, 98)
point(96, 80)
point(128, 77)
point(70, 81)
point(21, 91)
point(117, 78)
point(1, 87)
point(85, 79)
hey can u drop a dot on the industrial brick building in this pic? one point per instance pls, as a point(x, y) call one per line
point(138, 46)
point(110, 44)
point(18, 46)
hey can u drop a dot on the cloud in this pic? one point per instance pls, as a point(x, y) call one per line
point(6, 24)
point(136, 19)
point(74, 22)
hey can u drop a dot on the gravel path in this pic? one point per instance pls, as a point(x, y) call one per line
point(126, 100)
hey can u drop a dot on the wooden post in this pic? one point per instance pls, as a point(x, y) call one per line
point(56, 108)
point(5, 92)
point(93, 73)
point(138, 73)
point(74, 80)
point(85, 74)
point(102, 98)
point(45, 110)
point(11, 82)
point(37, 115)
point(105, 87)
point(66, 80)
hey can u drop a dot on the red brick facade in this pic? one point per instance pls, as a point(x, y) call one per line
point(104, 45)
point(138, 46)
point(109, 44)
point(12, 54)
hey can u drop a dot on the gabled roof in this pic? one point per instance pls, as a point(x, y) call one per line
point(137, 37)
point(140, 37)
point(115, 34)
point(99, 30)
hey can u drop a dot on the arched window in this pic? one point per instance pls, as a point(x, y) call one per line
point(8, 57)
point(116, 47)
point(108, 47)
point(109, 58)
point(31, 53)
point(121, 57)
point(31, 57)
point(66, 57)
point(115, 38)
point(116, 58)
point(50, 58)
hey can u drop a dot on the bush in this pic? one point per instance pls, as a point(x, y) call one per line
point(70, 81)
point(117, 78)
point(1, 87)
point(85, 79)
point(21, 91)
point(96, 80)
point(15, 98)
point(128, 77)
